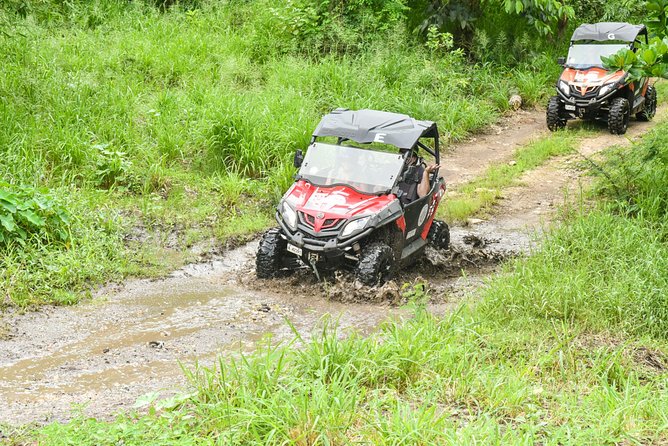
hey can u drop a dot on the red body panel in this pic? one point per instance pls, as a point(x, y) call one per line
point(333, 202)
point(401, 224)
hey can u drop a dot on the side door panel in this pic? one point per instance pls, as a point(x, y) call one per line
point(416, 215)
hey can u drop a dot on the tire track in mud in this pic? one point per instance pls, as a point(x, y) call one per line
point(541, 191)
point(129, 339)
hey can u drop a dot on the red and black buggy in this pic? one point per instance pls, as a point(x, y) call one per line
point(345, 208)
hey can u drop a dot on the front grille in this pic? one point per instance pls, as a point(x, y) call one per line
point(331, 224)
point(590, 93)
point(308, 219)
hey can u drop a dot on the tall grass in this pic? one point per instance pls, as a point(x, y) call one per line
point(181, 119)
point(567, 346)
point(609, 267)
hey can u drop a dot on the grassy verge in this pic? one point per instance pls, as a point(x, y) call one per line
point(158, 130)
point(568, 346)
point(480, 194)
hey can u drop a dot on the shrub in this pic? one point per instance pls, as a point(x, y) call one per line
point(28, 214)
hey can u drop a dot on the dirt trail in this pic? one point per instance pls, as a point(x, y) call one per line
point(101, 355)
point(463, 162)
point(541, 191)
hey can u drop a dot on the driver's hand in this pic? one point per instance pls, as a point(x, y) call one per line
point(432, 168)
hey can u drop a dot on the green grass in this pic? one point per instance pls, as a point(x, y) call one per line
point(179, 126)
point(480, 194)
point(567, 346)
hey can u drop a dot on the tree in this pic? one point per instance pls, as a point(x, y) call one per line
point(547, 17)
point(650, 59)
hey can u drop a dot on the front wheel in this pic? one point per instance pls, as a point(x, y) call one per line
point(270, 253)
point(649, 110)
point(618, 116)
point(554, 114)
point(376, 264)
point(439, 235)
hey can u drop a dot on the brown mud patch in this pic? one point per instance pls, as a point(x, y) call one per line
point(464, 161)
point(474, 252)
point(130, 338)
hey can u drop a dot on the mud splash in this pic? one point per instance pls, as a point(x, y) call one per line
point(129, 339)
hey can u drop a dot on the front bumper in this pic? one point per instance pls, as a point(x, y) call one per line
point(324, 247)
point(587, 106)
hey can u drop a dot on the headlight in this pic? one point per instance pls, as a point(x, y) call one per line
point(354, 226)
point(289, 216)
point(565, 88)
point(607, 88)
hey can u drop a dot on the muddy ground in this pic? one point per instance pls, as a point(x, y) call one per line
point(99, 356)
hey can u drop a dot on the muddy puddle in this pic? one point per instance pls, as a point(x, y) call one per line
point(130, 340)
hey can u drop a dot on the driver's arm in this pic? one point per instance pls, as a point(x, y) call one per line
point(424, 186)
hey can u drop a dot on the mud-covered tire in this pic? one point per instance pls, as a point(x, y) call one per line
point(270, 253)
point(649, 110)
point(439, 235)
point(376, 264)
point(618, 116)
point(554, 118)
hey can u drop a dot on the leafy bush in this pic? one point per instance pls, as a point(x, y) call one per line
point(336, 26)
point(28, 214)
point(112, 168)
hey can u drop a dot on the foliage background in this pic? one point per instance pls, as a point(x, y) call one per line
point(164, 123)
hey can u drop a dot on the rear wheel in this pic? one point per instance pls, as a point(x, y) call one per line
point(439, 235)
point(618, 116)
point(649, 110)
point(270, 253)
point(554, 114)
point(376, 264)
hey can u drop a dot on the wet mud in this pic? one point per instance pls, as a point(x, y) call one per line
point(131, 339)
point(100, 356)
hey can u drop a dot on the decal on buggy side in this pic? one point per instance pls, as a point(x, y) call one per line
point(423, 214)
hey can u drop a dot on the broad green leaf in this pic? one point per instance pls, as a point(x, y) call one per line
point(649, 56)
point(7, 220)
point(7, 206)
point(653, 6)
point(629, 57)
point(508, 5)
point(22, 233)
point(5, 195)
point(146, 399)
point(32, 217)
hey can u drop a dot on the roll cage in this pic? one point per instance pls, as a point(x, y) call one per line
point(610, 32)
point(373, 126)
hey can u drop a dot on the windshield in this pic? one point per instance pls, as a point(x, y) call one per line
point(589, 55)
point(367, 171)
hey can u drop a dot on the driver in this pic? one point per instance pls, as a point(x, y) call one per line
point(412, 189)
